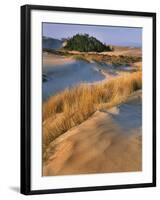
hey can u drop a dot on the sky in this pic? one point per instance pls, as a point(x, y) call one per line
point(111, 35)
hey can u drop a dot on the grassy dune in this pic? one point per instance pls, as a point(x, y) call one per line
point(110, 59)
point(73, 106)
point(115, 58)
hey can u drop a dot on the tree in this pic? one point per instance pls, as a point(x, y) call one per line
point(83, 42)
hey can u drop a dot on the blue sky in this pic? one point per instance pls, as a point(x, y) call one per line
point(125, 36)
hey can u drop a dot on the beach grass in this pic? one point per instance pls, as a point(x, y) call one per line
point(72, 106)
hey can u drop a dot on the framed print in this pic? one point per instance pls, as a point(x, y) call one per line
point(88, 99)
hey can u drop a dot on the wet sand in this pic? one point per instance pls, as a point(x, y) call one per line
point(109, 141)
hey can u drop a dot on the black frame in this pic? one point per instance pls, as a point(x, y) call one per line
point(26, 98)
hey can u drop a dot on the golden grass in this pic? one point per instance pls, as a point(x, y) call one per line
point(110, 59)
point(73, 106)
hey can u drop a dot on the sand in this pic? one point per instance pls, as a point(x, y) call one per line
point(118, 51)
point(50, 59)
point(125, 51)
point(69, 74)
point(109, 141)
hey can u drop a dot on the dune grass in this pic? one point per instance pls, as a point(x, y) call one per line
point(109, 59)
point(73, 106)
point(80, 57)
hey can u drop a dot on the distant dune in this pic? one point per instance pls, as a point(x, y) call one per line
point(51, 43)
point(125, 51)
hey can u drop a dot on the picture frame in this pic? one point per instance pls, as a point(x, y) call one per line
point(32, 19)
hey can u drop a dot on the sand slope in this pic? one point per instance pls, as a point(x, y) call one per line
point(125, 51)
point(106, 142)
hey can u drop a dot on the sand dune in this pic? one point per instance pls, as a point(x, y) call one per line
point(69, 74)
point(125, 51)
point(50, 59)
point(118, 50)
point(106, 142)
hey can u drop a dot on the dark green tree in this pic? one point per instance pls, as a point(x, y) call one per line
point(83, 42)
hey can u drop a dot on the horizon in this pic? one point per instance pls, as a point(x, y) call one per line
point(120, 36)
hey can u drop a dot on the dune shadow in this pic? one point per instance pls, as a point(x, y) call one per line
point(67, 75)
point(130, 115)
